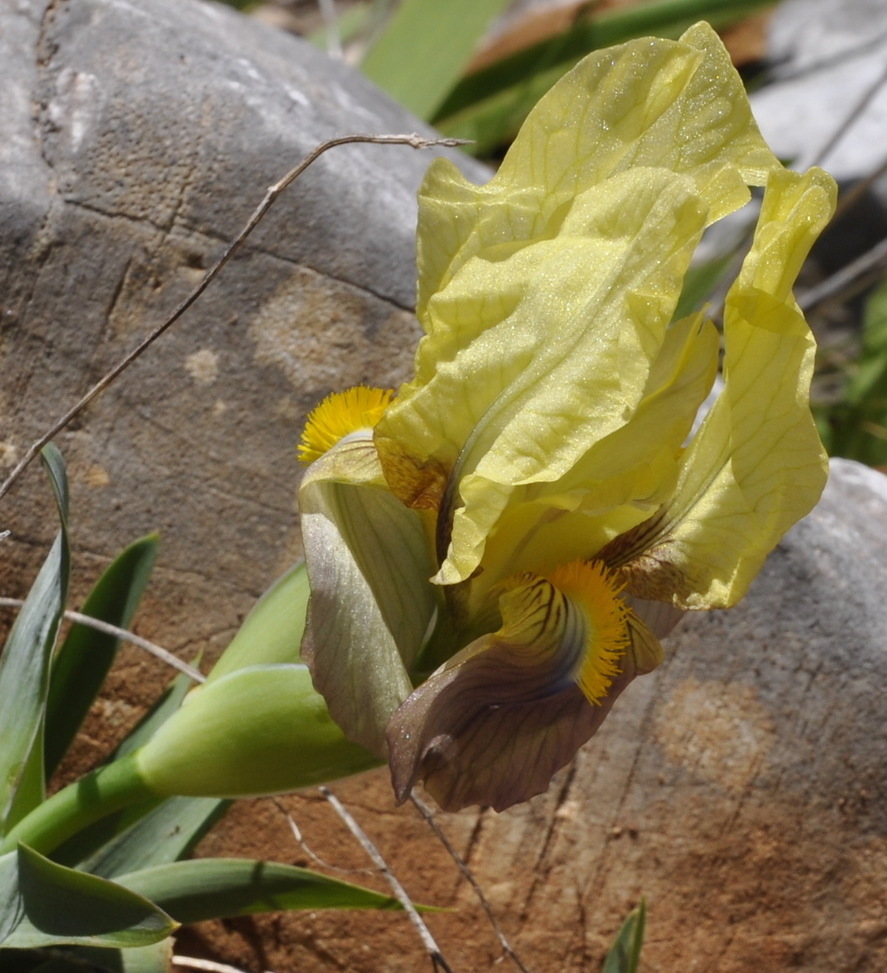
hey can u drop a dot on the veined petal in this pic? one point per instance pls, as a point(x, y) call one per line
point(620, 481)
point(679, 105)
point(756, 466)
point(547, 292)
point(585, 317)
point(494, 723)
point(371, 604)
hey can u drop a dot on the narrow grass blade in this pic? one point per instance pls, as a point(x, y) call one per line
point(426, 47)
point(24, 668)
point(82, 663)
point(208, 888)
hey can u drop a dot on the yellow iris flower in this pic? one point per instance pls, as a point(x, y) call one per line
point(494, 552)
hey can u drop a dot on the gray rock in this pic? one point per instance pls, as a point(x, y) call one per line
point(825, 55)
point(136, 140)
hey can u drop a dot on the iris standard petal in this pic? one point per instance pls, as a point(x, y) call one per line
point(756, 466)
point(546, 293)
point(371, 604)
point(679, 105)
point(566, 366)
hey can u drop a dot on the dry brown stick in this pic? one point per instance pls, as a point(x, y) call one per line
point(121, 633)
point(428, 815)
point(437, 960)
point(414, 140)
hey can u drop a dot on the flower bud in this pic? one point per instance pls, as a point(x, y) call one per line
point(258, 730)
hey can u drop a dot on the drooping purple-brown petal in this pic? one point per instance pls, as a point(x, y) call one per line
point(493, 724)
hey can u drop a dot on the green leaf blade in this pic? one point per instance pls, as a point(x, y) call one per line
point(208, 888)
point(625, 954)
point(425, 48)
point(858, 424)
point(165, 834)
point(489, 105)
point(24, 668)
point(82, 663)
point(47, 904)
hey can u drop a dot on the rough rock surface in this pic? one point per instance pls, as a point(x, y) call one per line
point(740, 788)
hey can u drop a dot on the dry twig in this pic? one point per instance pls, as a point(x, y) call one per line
point(126, 636)
point(297, 834)
point(437, 960)
point(873, 261)
point(428, 815)
point(210, 966)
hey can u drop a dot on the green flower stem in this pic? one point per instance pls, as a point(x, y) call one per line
point(93, 797)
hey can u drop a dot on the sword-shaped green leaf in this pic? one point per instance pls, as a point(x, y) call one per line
point(83, 661)
point(24, 668)
point(45, 904)
point(209, 888)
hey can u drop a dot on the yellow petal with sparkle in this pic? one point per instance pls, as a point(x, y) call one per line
point(757, 465)
point(678, 105)
point(619, 482)
point(574, 324)
point(546, 293)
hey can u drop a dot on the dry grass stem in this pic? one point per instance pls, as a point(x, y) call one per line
point(125, 636)
point(428, 814)
point(436, 956)
point(873, 262)
point(300, 840)
point(210, 966)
